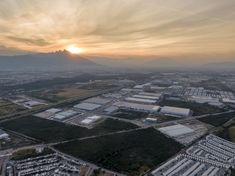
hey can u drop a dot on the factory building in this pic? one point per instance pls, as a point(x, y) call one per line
point(87, 106)
point(65, 114)
point(90, 119)
point(140, 100)
point(228, 100)
point(146, 97)
point(174, 111)
point(137, 107)
point(176, 130)
point(204, 99)
point(3, 134)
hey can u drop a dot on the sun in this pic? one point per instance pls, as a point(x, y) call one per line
point(74, 49)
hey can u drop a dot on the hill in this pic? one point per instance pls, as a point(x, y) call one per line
point(60, 60)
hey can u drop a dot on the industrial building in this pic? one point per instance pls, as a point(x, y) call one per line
point(87, 106)
point(228, 100)
point(175, 111)
point(90, 119)
point(65, 114)
point(204, 99)
point(146, 97)
point(176, 130)
point(137, 107)
point(140, 100)
point(3, 134)
point(48, 113)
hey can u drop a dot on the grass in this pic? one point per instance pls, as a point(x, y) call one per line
point(217, 120)
point(131, 153)
point(197, 108)
point(7, 107)
point(231, 131)
point(52, 131)
point(27, 153)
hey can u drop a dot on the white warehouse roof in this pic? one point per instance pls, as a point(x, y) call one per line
point(176, 130)
point(90, 119)
point(228, 100)
point(146, 97)
point(87, 106)
point(53, 110)
point(175, 111)
point(140, 100)
point(138, 107)
point(151, 94)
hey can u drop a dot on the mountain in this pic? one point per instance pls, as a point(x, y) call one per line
point(60, 60)
point(137, 62)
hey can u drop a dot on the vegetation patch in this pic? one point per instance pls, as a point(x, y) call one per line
point(131, 153)
point(27, 153)
point(52, 131)
point(218, 120)
point(131, 115)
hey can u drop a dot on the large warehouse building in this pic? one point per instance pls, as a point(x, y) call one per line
point(176, 130)
point(177, 112)
point(87, 106)
point(137, 107)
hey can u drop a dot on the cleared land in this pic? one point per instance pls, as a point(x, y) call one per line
point(197, 108)
point(131, 153)
point(217, 120)
point(6, 107)
point(52, 131)
point(58, 94)
point(14, 141)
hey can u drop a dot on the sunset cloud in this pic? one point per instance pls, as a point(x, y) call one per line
point(121, 27)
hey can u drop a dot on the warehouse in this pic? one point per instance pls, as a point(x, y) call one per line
point(90, 119)
point(228, 100)
point(205, 99)
point(137, 107)
point(98, 100)
point(65, 114)
point(176, 130)
point(3, 134)
point(151, 94)
point(174, 111)
point(87, 106)
point(146, 97)
point(140, 100)
point(48, 113)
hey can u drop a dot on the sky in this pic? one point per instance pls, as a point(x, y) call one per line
point(167, 28)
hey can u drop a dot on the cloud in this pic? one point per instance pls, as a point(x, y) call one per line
point(152, 27)
point(28, 41)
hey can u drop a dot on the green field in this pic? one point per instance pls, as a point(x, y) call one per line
point(52, 131)
point(131, 115)
point(197, 108)
point(131, 153)
point(217, 120)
